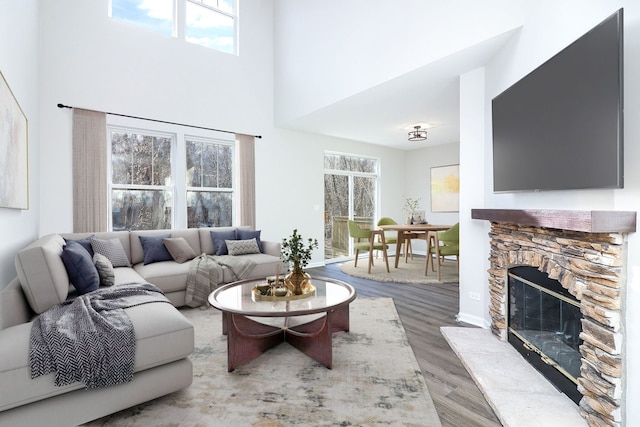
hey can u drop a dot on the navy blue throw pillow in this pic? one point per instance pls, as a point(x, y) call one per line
point(248, 235)
point(219, 237)
point(154, 248)
point(86, 243)
point(83, 274)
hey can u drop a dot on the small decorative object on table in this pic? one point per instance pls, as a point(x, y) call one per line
point(298, 254)
point(410, 206)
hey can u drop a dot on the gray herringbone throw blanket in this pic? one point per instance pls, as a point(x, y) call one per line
point(90, 338)
point(206, 273)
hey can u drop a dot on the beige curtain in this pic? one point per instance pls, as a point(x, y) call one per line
point(89, 171)
point(247, 179)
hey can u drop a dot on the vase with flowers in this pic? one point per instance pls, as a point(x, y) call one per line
point(410, 206)
point(297, 252)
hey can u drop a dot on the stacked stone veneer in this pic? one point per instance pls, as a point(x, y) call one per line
point(590, 266)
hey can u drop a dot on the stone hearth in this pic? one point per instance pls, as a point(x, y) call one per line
point(586, 252)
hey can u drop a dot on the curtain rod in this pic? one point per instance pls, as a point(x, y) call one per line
point(158, 121)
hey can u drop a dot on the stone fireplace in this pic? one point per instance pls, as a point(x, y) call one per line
point(586, 252)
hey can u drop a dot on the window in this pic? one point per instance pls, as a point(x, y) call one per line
point(169, 180)
point(209, 23)
point(350, 192)
point(209, 180)
point(141, 180)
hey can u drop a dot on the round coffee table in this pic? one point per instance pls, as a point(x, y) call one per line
point(248, 338)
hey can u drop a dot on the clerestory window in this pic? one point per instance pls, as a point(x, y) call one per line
point(209, 23)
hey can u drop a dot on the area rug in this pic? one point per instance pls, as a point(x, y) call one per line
point(375, 381)
point(409, 272)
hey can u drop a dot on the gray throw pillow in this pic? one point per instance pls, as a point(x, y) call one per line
point(179, 248)
point(243, 234)
point(113, 250)
point(105, 270)
point(242, 247)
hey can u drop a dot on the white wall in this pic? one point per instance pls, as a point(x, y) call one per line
point(548, 27)
point(120, 68)
point(290, 184)
point(417, 165)
point(89, 60)
point(19, 66)
point(331, 49)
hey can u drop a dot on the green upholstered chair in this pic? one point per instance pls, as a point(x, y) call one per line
point(366, 240)
point(441, 244)
point(393, 239)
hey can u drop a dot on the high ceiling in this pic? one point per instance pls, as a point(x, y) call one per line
point(385, 113)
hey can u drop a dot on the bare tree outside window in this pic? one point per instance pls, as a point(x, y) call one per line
point(141, 181)
point(209, 183)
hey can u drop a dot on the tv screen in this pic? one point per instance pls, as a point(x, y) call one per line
point(560, 127)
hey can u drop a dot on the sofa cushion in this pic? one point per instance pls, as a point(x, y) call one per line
point(242, 247)
point(126, 275)
point(154, 248)
point(162, 333)
point(105, 270)
point(250, 234)
point(219, 239)
point(169, 276)
point(83, 274)
point(179, 249)
point(112, 249)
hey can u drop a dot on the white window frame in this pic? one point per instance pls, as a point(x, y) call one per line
point(179, 24)
point(231, 189)
point(178, 160)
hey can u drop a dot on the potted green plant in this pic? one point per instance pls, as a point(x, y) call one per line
point(297, 252)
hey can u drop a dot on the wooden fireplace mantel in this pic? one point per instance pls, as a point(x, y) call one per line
point(587, 221)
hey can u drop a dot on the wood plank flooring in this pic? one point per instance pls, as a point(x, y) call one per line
point(423, 309)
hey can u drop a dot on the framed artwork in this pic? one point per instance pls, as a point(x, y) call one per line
point(14, 175)
point(445, 188)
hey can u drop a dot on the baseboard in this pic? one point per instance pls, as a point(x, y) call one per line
point(473, 320)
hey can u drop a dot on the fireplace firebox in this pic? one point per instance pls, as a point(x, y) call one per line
point(544, 325)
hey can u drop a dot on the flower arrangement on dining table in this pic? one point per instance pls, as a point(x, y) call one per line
point(410, 206)
point(297, 252)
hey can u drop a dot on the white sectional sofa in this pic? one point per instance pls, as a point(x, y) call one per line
point(164, 337)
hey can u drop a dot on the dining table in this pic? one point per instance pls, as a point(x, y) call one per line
point(408, 229)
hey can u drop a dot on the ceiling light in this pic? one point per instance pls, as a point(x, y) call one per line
point(418, 134)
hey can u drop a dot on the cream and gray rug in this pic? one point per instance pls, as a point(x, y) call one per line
point(375, 381)
point(409, 272)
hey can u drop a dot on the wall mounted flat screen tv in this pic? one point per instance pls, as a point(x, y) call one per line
point(560, 127)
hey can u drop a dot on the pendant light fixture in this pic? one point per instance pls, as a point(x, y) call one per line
point(418, 134)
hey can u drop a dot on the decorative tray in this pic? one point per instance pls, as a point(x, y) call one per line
point(263, 293)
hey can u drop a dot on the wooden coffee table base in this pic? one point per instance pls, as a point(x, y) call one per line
point(248, 339)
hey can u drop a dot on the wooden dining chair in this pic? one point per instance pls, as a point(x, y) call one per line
point(441, 244)
point(393, 240)
point(367, 240)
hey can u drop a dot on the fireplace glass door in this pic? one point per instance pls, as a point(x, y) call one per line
point(544, 320)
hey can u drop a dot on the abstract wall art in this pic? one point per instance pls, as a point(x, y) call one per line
point(14, 175)
point(445, 188)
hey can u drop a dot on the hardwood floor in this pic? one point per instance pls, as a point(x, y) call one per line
point(423, 309)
